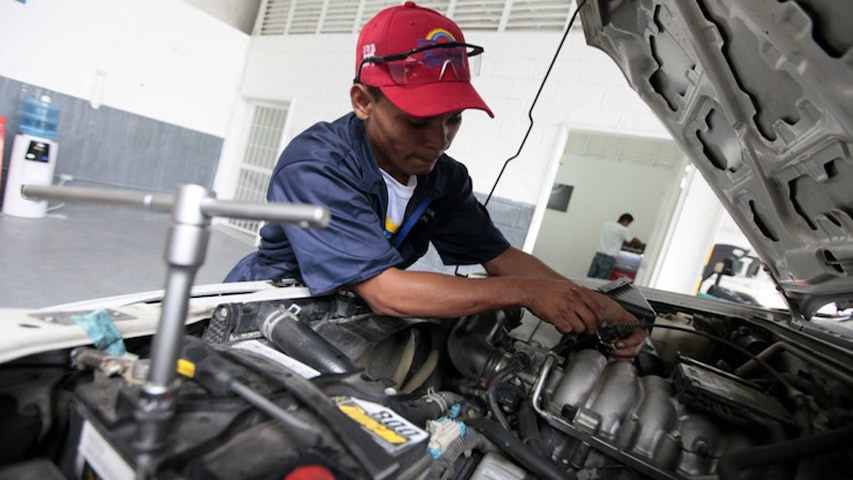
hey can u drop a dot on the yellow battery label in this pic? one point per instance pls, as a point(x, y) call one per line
point(391, 431)
point(186, 368)
point(360, 416)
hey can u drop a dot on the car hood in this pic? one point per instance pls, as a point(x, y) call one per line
point(759, 95)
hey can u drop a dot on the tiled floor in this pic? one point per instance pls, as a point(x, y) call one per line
point(84, 252)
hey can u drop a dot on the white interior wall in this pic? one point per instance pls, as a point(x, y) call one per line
point(611, 175)
point(158, 58)
point(586, 90)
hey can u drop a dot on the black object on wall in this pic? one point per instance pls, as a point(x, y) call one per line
point(561, 194)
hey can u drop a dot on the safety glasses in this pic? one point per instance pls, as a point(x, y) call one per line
point(451, 61)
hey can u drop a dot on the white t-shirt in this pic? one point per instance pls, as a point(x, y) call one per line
point(398, 198)
point(613, 234)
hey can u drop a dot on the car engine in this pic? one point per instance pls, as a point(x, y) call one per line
point(324, 388)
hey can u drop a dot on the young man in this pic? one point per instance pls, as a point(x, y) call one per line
point(613, 235)
point(382, 172)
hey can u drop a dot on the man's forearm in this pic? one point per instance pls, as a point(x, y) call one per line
point(557, 301)
point(516, 263)
point(402, 293)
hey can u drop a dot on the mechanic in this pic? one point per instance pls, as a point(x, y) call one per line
point(613, 235)
point(391, 190)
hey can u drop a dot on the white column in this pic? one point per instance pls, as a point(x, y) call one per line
point(691, 238)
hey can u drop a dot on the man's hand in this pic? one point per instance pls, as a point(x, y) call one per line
point(564, 304)
point(614, 314)
point(572, 308)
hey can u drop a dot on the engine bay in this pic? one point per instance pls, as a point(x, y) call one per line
point(301, 387)
point(323, 387)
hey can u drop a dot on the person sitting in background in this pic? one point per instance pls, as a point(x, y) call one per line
point(613, 236)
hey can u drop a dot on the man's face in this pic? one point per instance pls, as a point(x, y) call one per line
point(405, 145)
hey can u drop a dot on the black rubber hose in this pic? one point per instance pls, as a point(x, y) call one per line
point(300, 341)
point(295, 426)
point(510, 445)
point(213, 372)
point(733, 464)
point(492, 396)
point(492, 391)
point(468, 348)
point(528, 427)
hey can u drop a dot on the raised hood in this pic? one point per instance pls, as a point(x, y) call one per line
point(759, 94)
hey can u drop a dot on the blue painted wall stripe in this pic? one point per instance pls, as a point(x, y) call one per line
point(114, 147)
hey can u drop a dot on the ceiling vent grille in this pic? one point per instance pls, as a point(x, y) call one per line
point(479, 14)
point(291, 17)
point(340, 16)
point(437, 5)
point(541, 15)
point(273, 16)
point(306, 16)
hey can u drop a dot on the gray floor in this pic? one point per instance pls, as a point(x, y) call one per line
point(83, 252)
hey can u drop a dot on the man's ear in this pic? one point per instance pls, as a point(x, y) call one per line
point(363, 102)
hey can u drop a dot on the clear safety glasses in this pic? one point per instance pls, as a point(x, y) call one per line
point(451, 61)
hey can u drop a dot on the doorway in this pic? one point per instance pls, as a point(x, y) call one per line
point(600, 176)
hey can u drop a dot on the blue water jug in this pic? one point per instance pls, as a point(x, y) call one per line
point(39, 117)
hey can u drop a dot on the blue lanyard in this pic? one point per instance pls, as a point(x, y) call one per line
point(409, 224)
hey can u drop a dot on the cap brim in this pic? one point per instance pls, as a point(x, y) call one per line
point(433, 99)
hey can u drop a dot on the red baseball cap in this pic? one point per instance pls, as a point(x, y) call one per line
point(400, 29)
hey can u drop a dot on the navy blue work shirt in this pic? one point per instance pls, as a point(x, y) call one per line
point(331, 164)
